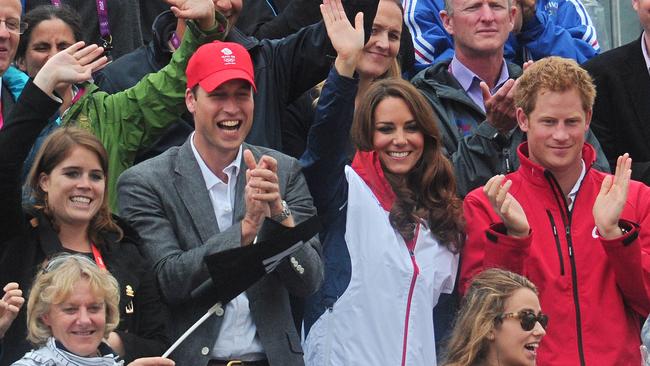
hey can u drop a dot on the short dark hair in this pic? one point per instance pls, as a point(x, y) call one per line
point(47, 12)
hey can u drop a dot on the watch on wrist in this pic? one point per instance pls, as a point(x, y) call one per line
point(286, 212)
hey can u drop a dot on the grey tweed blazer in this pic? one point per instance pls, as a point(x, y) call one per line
point(166, 201)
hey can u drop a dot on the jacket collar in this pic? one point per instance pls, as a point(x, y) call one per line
point(237, 36)
point(51, 245)
point(536, 174)
point(367, 165)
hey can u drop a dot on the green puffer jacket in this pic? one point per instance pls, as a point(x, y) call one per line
point(126, 121)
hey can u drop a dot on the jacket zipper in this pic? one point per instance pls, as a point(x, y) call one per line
point(557, 241)
point(564, 208)
point(416, 271)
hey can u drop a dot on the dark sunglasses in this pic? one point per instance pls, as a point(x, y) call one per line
point(528, 319)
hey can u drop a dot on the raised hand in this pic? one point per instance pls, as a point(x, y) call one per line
point(611, 199)
point(346, 40)
point(73, 65)
point(200, 10)
point(506, 206)
point(10, 304)
point(500, 107)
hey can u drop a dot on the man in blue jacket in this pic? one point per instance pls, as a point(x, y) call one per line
point(542, 28)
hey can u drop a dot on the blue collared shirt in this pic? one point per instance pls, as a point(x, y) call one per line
point(471, 84)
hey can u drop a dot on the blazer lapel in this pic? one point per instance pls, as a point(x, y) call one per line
point(190, 186)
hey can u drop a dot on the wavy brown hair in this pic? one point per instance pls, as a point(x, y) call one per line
point(479, 314)
point(428, 191)
point(56, 148)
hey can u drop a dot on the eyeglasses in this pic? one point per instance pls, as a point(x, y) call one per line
point(14, 25)
point(528, 319)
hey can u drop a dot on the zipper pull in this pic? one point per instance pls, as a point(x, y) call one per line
point(570, 251)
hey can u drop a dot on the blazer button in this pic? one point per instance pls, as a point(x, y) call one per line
point(294, 261)
point(205, 351)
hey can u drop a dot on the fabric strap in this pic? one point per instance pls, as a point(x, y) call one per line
point(102, 17)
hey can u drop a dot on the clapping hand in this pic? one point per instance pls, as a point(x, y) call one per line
point(348, 41)
point(506, 206)
point(500, 108)
point(261, 194)
point(611, 199)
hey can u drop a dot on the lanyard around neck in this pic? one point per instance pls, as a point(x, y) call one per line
point(102, 17)
point(98, 256)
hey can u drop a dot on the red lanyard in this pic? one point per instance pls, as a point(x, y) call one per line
point(80, 92)
point(98, 256)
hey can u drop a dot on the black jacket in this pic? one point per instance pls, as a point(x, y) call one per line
point(264, 19)
point(27, 238)
point(621, 119)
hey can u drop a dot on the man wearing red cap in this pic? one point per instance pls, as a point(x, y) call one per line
point(214, 193)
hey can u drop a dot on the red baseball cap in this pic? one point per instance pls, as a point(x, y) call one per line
point(215, 63)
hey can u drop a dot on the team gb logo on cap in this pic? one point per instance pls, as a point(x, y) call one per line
point(227, 56)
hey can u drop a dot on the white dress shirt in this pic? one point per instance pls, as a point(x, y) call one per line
point(238, 334)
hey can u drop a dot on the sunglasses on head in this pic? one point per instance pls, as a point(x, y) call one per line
point(527, 319)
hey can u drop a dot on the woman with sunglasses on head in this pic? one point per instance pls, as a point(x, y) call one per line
point(500, 322)
point(69, 213)
point(392, 221)
point(72, 308)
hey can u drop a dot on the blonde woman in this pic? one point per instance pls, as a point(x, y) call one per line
point(72, 308)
